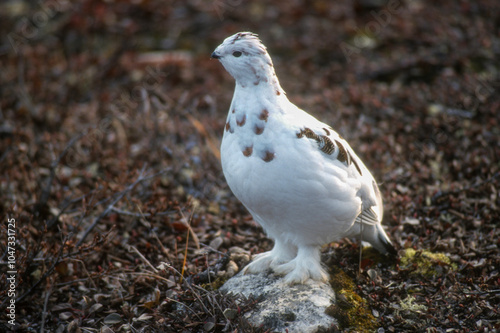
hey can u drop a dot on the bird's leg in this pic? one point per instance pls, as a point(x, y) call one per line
point(281, 253)
point(306, 265)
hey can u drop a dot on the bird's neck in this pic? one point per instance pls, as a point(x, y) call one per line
point(259, 77)
point(260, 85)
point(256, 90)
point(253, 98)
point(267, 89)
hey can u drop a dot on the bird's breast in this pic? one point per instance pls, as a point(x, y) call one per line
point(270, 170)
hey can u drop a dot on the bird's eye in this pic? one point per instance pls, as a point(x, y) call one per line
point(237, 54)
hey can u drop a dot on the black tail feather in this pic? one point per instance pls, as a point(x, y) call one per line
point(386, 242)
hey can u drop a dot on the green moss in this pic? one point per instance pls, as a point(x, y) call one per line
point(425, 262)
point(340, 280)
point(214, 285)
point(350, 310)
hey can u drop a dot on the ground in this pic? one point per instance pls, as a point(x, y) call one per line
point(111, 189)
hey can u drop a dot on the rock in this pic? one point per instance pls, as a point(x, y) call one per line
point(281, 307)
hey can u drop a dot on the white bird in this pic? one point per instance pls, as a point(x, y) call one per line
point(300, 180)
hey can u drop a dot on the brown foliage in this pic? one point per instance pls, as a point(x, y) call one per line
point(111, 115)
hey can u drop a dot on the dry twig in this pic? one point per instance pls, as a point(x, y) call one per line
point(120, 195)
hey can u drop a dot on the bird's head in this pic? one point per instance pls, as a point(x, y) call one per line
point(245, 57)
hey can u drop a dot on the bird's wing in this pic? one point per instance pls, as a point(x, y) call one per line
point(368, 216)
point(333, 146)
point(336, 149)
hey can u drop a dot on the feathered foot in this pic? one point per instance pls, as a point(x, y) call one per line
point(281, 253)
point(306, 265)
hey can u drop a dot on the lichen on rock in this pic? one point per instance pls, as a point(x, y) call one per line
point(281, 307)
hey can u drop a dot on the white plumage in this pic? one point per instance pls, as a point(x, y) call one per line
point(300, 180)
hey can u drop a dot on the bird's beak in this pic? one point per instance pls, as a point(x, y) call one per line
point(215, 55)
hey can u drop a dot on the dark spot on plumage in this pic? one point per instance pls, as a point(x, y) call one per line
point(357, 166)
point(308, 133)
point(264, 115)
point(238, 36)
point(324, 143)
point(268, 156)
point(248, 151)
point(233, 111)
point(242, 121)
point(258, 129)
point(228, 126)
point(326, 131)
point(278, 92)
point(343, 154)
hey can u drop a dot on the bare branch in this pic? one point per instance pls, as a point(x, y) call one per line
point(139, 215)
point(49, 271)
point(120, 195)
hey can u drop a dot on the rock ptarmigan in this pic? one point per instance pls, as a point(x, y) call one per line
point(300, 180)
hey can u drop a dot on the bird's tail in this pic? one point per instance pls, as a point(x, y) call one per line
point(373, 234)
point(378, 239)
point(368, 225)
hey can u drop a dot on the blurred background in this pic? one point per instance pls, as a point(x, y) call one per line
point(111, 116)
